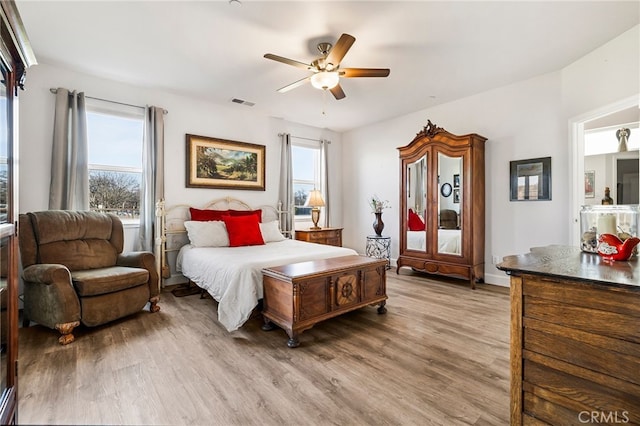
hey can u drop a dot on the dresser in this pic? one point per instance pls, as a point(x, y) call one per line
point(575, 338)
point(327, 236)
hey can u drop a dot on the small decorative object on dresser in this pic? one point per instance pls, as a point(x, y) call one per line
point(611, 248)
point(327, 236)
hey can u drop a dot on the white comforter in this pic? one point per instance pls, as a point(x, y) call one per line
point(448, 241)
point(233, 275)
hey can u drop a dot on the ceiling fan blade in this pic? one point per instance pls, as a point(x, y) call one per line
point(294, 85)
point(289, 61)
point(337, 92)
point(341, 48)
point(364, 72)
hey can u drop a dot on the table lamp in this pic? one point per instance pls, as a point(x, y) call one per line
point(315, 201)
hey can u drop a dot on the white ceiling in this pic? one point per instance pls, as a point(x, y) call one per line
point(213, 50)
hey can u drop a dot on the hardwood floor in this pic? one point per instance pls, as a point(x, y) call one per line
point(440, 356)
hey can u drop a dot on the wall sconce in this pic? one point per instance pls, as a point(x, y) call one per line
point(315, 201)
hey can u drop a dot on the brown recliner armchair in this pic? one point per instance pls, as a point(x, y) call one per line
point(448, 219)
point(75, 271)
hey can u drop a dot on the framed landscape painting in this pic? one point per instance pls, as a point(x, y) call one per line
point(224, 164)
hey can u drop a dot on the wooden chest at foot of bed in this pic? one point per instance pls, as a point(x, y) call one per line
point(299, 295)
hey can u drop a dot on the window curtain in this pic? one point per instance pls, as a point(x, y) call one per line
point(324, 176)
point(286, 185)
point(69, 187)
point(152, 187)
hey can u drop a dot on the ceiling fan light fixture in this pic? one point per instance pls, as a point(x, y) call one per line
point(325, 80)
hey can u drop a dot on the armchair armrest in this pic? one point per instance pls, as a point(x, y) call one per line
point(50, 298)
point(47, 273)
point(145, 260)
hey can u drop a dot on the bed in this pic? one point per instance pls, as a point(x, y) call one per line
point(196, 251)
point(448, 241)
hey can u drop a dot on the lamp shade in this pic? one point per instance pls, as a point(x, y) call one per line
point(314, 199)
point(325, 80)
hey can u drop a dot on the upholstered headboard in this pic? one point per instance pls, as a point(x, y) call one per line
point(171, 233)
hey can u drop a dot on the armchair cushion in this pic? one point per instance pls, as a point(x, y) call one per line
point(93, 282)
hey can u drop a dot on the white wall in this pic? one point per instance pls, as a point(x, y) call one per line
point(524, 120)
point(186, 115)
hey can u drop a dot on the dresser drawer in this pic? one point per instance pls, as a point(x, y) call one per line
point(329, 236)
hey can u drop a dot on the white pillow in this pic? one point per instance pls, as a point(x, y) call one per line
point(271, 232)
point(207, 234)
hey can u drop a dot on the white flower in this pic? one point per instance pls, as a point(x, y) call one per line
point(377, 205)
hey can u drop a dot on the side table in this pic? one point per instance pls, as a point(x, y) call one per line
point(379, 247)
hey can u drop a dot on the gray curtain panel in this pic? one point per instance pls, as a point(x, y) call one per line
point(152, 187)
point(286, 185)
point(69, 188)
point(324, 173)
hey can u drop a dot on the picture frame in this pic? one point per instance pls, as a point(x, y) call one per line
point(456, 195)
point(530, 180)
point(590, 184)
point(456, 181)
point(224, 164)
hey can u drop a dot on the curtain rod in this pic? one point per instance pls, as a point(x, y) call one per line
point(307, 139)
point(54, 91)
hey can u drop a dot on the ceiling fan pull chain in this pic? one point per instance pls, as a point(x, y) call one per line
point(324, 102)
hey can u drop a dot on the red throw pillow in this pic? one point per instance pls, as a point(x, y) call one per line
point(206, 215)
point(243, 230)
point(258, 213)
point(415, 223)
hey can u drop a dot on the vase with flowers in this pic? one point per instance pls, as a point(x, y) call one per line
point(377, 205)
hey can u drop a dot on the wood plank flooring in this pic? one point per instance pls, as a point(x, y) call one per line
point(440, 356)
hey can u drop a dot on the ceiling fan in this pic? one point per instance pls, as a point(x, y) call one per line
point(326, 69)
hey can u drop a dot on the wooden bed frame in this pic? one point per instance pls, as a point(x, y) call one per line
point(171, 234)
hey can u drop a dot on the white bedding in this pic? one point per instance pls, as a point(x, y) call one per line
point(448, 241)
point(233, 275)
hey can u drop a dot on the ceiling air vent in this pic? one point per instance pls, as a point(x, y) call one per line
point(242, 102)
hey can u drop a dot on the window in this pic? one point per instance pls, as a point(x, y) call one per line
point(306, 176)
point(115, 135)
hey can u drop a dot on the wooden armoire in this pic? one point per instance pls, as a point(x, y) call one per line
point(15, 57)
point(442, 201)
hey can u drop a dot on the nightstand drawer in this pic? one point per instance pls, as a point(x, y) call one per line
point(323, 235)
point(328, 236)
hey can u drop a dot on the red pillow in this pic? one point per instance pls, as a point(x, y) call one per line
point(258, 213)
point(207, 215)
point(243, 230)
point(415, 223)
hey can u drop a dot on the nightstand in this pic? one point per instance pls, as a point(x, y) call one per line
point(328, 236)
point(379, 247)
